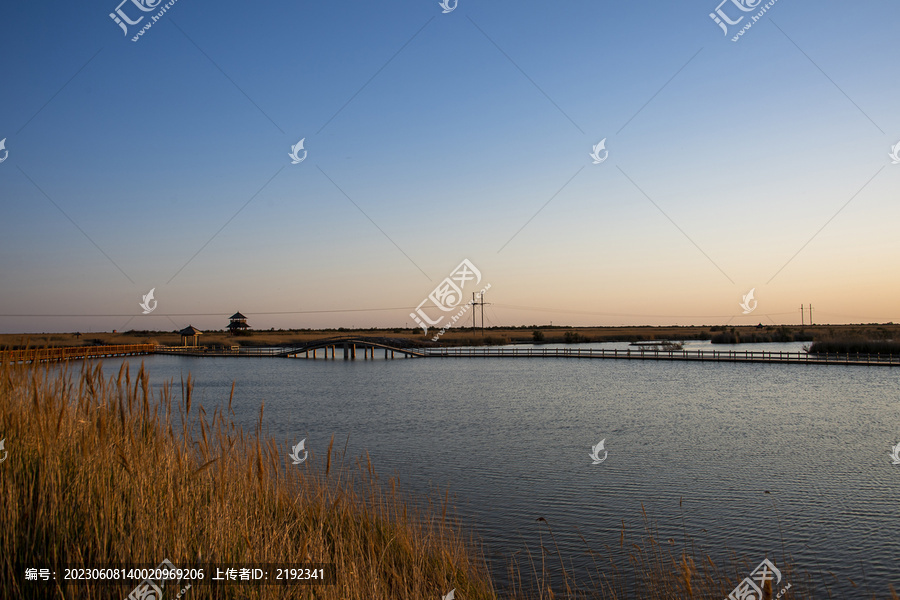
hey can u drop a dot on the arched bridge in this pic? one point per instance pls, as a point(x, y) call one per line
point(348, 346)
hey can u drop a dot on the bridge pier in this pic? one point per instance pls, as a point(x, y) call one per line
point(352, 351)
point(346, 352)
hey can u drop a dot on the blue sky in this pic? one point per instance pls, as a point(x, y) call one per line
point(435, 137)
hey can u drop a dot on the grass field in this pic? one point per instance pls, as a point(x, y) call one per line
point(463, 336)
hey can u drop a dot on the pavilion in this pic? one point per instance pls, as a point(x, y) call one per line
point(190, 333)
point(238, 324)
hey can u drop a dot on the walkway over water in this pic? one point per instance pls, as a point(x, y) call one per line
point(884, 360)
point(349, 347)
point(346, 346)
point(56, 354)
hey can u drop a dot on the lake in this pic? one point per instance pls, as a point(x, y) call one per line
point(697, 444)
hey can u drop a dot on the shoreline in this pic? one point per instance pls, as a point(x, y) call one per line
point(493, 336)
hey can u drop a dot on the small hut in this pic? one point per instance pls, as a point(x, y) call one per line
point(190, 334)
point(238, 324)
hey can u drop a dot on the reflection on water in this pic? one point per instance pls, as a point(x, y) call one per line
point(698, 445)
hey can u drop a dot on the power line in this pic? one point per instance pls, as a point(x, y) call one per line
point(605, 314)
point(219, 314)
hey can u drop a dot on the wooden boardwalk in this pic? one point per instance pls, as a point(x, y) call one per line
point(349, 346)
point(31, 355)
point(346, 348)
point(210, 351)
point(747, 356)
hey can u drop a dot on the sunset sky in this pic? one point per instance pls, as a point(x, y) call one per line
point(432, 138)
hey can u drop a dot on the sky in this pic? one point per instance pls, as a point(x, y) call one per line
point(729, 164)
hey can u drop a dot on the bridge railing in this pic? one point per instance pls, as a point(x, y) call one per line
point(639, 353)
point(232, 351)
point(73, 353)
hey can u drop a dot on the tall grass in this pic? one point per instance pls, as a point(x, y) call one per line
point(855, 346)
point(106, 471)
point(658, 568)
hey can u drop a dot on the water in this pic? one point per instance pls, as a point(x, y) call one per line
point(697, 444)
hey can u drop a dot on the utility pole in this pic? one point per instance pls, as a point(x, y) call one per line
point(482, 314)
point(476, 303)
point(801, 315)
point(810, 314)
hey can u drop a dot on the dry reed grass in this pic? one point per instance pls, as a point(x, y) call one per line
point(105, 471)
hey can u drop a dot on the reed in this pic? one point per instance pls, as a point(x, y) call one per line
point(112, 471)
point(855, 346)
point(659, 568)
